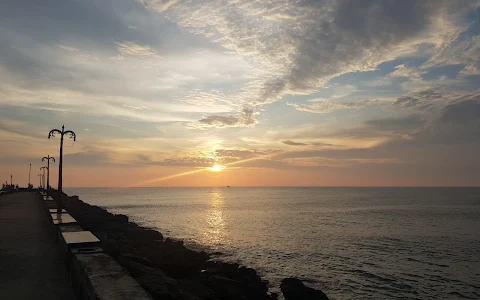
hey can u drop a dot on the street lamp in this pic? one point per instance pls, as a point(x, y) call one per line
point(43, 168)
point(48, 158)
point(40, 177)
point(62, 133)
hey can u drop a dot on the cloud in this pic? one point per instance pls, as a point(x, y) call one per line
point(233, 155)
point(422, 100)
point(321, 144)
point(463, 50)
point(19, 128)
point(69, 48)
point(461, 112)
point(159, 5)
point(86, 103)
point(457, 124)
point(411, 141)
point(199, 159)
point(400, 124)
point(328, 106)
point(304, 44)
point(245, 118)
point(86, 158)
point(292, 143)
point(471, 70)
point(405, 71)
point(434, 143)
point(194, 162)
point(133, 49)
point(310, 143)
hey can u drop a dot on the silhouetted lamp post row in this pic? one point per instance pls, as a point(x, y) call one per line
point(62, 133)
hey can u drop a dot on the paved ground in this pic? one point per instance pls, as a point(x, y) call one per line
point(30, 266)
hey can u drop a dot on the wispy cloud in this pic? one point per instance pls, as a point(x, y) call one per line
point(133, 49)
point(290, 47)
point(328, 106)
point(245, 118)
point(293, 143)
point(405, 71)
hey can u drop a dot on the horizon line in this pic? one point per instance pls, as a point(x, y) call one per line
point(290, 186)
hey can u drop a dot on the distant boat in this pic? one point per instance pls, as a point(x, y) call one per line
point(228, 186)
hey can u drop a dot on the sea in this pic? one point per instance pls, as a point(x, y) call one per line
point(352, 243)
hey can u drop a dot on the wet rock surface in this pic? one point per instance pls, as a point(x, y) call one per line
point(294, 289)
point(165, 267)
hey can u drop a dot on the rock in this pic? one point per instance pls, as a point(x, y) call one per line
point(174, 243)
point(226, 288)
point(147, 273)
point(189, 296)
point(138, 259)
point(143, 234)
point(197, 288)
point(294, 289)
point(121, 219)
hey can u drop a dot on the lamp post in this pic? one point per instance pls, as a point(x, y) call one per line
point(29, 172)
point(11, 180)
point(40, 177)
point(48, 158)
point(62, 133)
point(43, 168)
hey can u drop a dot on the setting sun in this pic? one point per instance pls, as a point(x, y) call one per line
point(217, 168)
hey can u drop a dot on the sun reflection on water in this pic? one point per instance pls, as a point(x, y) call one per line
point(215, 232)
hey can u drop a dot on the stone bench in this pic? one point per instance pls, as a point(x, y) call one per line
point(73, 241)
point(59, 219)
point(80, 239)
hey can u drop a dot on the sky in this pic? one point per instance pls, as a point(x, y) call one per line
point(276, 92)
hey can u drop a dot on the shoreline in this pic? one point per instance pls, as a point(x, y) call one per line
point(164, 267)
point(167, 269)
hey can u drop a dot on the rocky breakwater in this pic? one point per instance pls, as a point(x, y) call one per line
point(165, 267)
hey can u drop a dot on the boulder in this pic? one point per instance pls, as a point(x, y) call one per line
point(197, 288)
point(294, 289)
point(143, 234)
point(227, 288)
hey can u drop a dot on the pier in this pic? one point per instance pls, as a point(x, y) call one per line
point(45, 254)
point(30, 267)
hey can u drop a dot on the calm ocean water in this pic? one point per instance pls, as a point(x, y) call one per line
point(353, 243)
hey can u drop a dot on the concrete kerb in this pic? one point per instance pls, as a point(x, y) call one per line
point(95, 275)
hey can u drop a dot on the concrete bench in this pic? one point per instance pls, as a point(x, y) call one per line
point(50, 204)
point(75, 242)
point(80, 239)
point(73, 227)
point(59, 219)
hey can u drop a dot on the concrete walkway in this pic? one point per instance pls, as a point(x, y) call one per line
point(30, 266)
